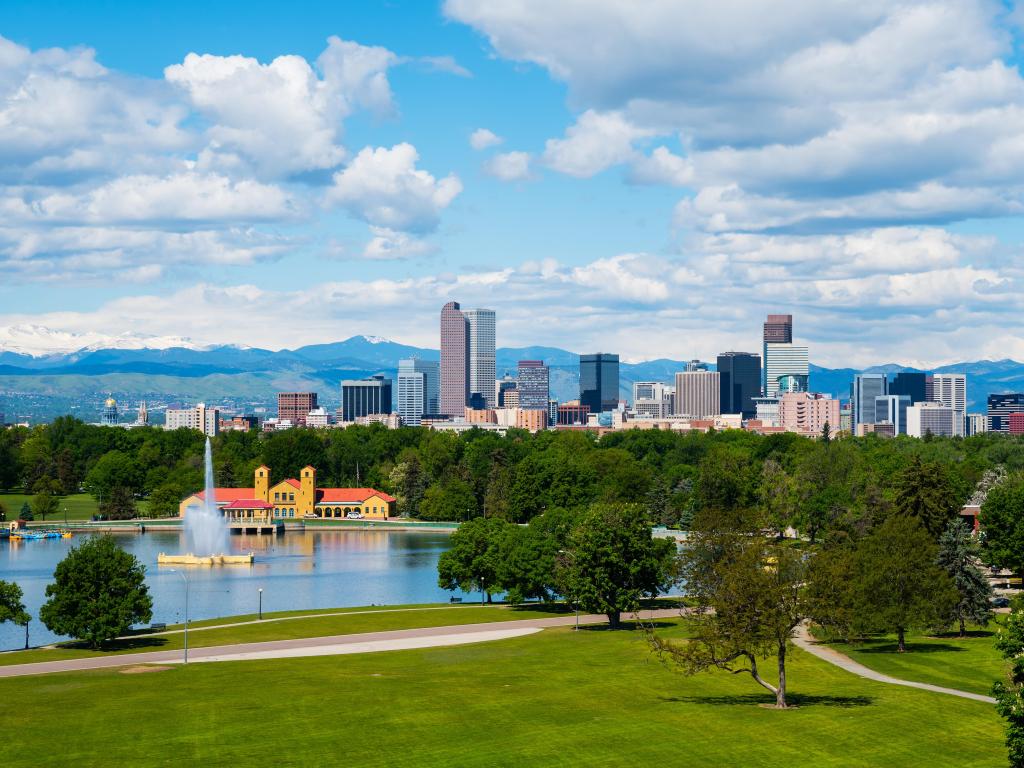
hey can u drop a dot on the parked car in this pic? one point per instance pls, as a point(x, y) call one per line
point(353, 516)
point(1000, 602)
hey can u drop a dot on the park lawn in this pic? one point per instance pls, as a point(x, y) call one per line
point(81, 506)
point(345, 621)
point(594, 698)
point(968, 664)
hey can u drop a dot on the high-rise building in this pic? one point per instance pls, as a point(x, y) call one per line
point(697, 394)
point(201, 418)
point(808, 413)
point(695, 365)
point(295, 406)
point(782, 357)
point(418, 389)
point(976, 423)
point(950, 389)
point(1000, 407)
point(532, 384)
point(501, 386)
point(778, 329)
point(910, 383)
point(893, 409)
point(935, 419)
point(599, 381)
point(739, 376)
point(653, 399)
point(866, 388)
point(480, 325)
point(361, 397)
point(454, 360)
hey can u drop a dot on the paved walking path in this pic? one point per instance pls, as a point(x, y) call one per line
point(832, 656)
point(331, 644)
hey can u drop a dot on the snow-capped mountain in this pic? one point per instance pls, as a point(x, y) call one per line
point(39, 341)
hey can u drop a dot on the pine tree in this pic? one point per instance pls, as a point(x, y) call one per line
point(958, 554)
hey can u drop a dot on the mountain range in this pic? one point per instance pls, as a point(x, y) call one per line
point(38, 386)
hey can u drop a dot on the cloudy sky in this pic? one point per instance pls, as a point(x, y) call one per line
point(648, 178)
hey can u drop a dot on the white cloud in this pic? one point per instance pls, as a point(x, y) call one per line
point(597, 141)
point(446, 64)
point(388, 245)
point(509, 166)
point(482, 138)
point(661, 167)
point(626, 276)
point(384, 188)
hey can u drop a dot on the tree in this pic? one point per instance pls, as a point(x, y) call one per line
point(613, 561)
point(165, 501)
point(898, 586)
point(98, 593)
point(114, 469)
point(26, 512)
point(473, 559)
point(3, 512)
point(829, 591)
point(44, 504)
point(1010, 693)
point(826, 434)
point(747, 589)
point(1002, 524)
point(958, 554)
point(453, 500)
point(119, 504)
point(526, 564)
point(11, 607)
point(924, 491)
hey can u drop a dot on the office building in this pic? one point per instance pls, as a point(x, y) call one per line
point(866, 388)
point(950, 389)
point(532, 384)
point(697, 394)
point(807, 413)
point(913, 384)
point(532, 419)
point(318, 418)
point(572, 414)
point(653, 399)
point(976, 423)
point(295, 406)
point(501, 386)
point(552, 411)
point(893, 409)
point(361, 397)
point(739, 376)
point(766, 410)
point(454, 392)
point(481, 335)
point(201, 418)
point(1000, 407)
point(510, 398)
point(934, 418)
point(778, 329)
point(599, 381)
point(695, 365)
point(418, 389)
point(782, 360)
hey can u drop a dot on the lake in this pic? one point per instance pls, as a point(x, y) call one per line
point(297, 570)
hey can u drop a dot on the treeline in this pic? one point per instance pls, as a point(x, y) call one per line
point(816, 486)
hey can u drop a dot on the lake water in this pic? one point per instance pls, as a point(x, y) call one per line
point(297, 570)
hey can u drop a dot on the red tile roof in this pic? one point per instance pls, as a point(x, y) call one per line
point(291, 481)
point(348, 495)
point(249, 504)
point(229, 494)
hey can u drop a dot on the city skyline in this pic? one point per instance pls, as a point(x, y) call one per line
point(391, 165)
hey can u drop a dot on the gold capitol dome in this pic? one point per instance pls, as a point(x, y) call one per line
point(111, 402)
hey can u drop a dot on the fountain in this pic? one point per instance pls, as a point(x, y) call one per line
point(206, 531)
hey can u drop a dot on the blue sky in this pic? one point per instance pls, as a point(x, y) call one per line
point(659, 177)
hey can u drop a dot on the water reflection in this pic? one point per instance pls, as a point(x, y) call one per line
point(299, 570)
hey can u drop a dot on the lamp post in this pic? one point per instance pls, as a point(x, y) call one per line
point(261, 603)
point(483, 591)
point(182, 574)
point(65, 516)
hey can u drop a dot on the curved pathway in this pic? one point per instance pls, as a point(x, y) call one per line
point(366, 642)
point(803, 640)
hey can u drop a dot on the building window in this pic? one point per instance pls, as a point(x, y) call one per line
point(277, 497)
point(291, 497)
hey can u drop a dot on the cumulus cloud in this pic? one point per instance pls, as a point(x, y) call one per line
point(385, 188)
point(597, 141)
point(509, 166)
point(389, 245)
point(482, 138)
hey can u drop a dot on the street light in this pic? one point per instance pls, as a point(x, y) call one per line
point(483, 592)
point(65, 516)
point(182, 574)
point(261, 603)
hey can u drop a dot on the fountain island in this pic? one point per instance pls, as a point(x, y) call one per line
point(206, 530)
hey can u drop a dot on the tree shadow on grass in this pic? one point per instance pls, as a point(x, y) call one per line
point(912, 648)
point(627, 626)
point(792, 699)
point(971, 633)
point(124, 644)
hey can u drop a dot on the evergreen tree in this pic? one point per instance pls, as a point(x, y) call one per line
point(119, 504)
point(925, 492)
point(26, 512)
point(958, 554)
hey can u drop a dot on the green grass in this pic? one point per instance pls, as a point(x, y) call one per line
point(969, 664)
point(81, 506)
point(345, 621)
point(594, 698)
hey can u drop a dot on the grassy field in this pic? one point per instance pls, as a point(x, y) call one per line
point(594, 698)
point(342, 622)
point(81, 506)
point(970, 664)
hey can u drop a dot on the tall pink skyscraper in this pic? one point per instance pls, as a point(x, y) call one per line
point(454, 360)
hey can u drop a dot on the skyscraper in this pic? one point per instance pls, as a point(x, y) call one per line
point(740, 382)
point(362, 397)
point(909, 383)
point(1000, 407)
point(893, 408)
point(781, 356)
point(866, 388)
point(481, 328)
point(697, 394)
point(532, 385)
point(599, 381)
point(295, 406)
point(454, 360)
point(418, 389)
point(950, 389)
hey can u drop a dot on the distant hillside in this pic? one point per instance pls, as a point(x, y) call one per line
point(244, 378)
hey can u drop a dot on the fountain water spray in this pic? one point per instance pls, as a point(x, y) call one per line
point(206, 531)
